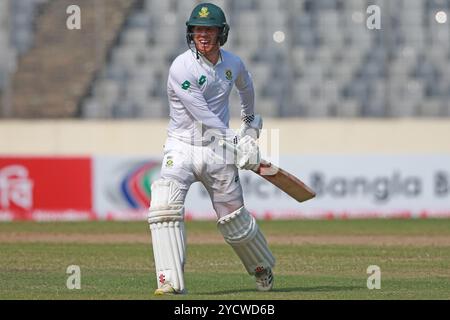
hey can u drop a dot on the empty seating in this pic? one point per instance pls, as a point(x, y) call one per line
point(326, 62)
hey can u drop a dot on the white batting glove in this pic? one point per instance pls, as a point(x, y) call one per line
point(248, 156)
point(251, 125)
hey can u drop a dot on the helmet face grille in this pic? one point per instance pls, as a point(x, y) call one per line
point(208, 15)
point(223, 35)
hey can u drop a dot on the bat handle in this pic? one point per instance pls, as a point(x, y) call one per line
point(266, 167)
point(222, 143)
point(227, 145)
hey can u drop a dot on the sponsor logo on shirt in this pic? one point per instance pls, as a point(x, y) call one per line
point(185, 85)
point(202, 80)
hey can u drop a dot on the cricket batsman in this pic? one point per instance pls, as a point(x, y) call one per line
point(199, 84)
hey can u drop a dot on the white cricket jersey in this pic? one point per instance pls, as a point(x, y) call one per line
point(198, 91)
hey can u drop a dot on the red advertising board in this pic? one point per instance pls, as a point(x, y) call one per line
point(45, 188)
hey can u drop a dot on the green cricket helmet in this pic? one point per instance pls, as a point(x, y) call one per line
point(209, 15)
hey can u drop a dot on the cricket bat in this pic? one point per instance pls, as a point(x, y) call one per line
point(282, 179)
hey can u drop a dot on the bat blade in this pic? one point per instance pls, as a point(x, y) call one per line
point(286, 181)
point(282, 179)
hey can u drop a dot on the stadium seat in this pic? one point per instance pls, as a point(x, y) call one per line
point(349, 108)
point(432, 108)
point(402, 70)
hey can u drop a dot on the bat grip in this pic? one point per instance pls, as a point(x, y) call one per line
point(266, 167)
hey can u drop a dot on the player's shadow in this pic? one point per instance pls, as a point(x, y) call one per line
point(293, 289)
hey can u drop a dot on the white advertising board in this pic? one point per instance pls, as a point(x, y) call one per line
point(347, 186)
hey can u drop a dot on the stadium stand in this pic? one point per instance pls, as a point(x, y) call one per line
point(16, 36)
point(309, 58)
point(54, 75)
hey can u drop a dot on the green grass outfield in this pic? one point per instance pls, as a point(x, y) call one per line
point(315, 260)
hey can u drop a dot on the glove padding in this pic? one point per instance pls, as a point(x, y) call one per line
point(251, 126)
point(248, 155)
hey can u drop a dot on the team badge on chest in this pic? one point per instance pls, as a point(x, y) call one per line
point(229, 75)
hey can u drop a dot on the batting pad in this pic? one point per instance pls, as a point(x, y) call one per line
point(166, 220)
point(169, 253)
point(241, 231)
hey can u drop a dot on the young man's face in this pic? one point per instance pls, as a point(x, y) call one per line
point(206, 39)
